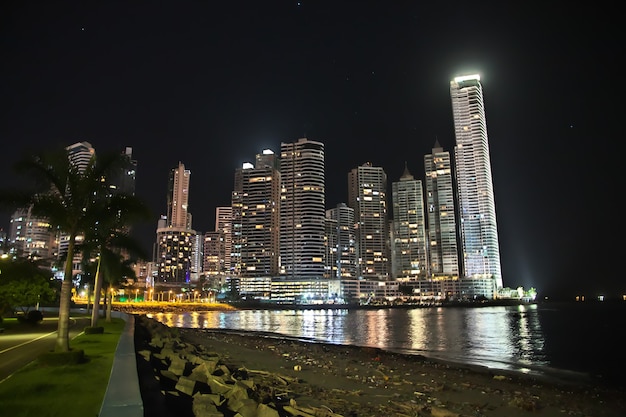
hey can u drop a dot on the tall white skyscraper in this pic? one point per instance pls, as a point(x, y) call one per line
point(367, 195)
point(477, 222)
point(409, 237)
point(443, 249)
point(302, 209)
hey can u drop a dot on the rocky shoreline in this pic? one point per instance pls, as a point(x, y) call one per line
point(196, 372)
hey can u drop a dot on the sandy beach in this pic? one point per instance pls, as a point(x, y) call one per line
point(292, 378)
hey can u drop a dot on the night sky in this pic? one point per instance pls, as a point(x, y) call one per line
point(211, 84)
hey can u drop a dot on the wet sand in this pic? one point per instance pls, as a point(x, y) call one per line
point(334, 380)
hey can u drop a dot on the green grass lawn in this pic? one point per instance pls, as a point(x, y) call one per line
point(68, 390)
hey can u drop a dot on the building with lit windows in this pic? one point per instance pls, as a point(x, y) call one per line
point(256, 216)
point(367, 196)
point(302, 209)
point(32, 237)
point(79, 154)
point(178, 197)
point(176, 245)
point(442, 236)
point(341, 258)
point(410, 260)
point(213, 254)
point(224, 226)
point(476, 206)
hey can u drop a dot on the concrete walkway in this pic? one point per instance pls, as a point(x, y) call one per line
point(123, 397)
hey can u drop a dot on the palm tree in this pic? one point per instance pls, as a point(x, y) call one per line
point(113, 246)
point(73, 199)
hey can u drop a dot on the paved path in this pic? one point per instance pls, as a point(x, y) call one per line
point(20, 345)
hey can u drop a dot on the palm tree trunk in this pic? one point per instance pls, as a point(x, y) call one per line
point(88, 298)
point(95, 313)
point(109, 307)
point(63, 331)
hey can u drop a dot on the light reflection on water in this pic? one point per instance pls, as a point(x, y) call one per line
point(497, 337)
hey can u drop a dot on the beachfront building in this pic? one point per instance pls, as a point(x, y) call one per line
point(367, 196)
point(410, 260)
point(341, 257)
point(302, 209)
point(176, 243)
point(477, 214)
point(224, 225)
point(442, 236)
point(256, 211)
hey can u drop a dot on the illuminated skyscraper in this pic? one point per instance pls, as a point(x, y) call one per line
point(177, 246)
point(302, 209)
point(256, 216)
point(341, 243)
point(477, 222)
point(33, 236)
point(80, 154)
point(443, 249)
point(224, 226)
point(409, 237)
point(178, 197)
point(367, 195)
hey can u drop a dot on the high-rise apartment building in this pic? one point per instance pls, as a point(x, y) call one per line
point(80, 153)
point(213, 254)
point(442, 236)
point(477, 213)
point(341, 257)
point(33, 237)
point(224, 226)
point(124, 180)
point(367, 196)
point(177, 246)
point(302, 209)
point(178, 197)
point(256, 216)
point(409, 230)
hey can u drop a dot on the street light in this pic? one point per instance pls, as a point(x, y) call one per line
point(136, 294)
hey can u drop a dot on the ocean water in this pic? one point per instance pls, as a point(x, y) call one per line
point(568, 341)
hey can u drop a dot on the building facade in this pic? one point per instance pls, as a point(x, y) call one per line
point(442, 236)
point(341, 258)
point(178, 197)
point(409, 231)
point(367, 196)
point(478, 231)
point(33, 237)
point(177, 245)
point(302, 209)
point(224, 225)
point(256, 216)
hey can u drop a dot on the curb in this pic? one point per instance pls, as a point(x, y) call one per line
point(123, 396)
